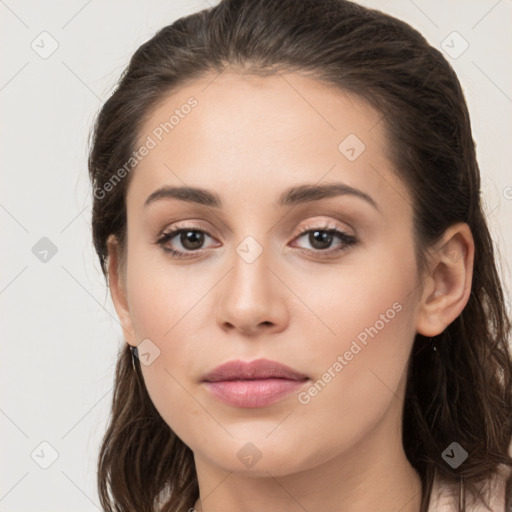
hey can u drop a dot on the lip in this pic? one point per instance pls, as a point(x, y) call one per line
point(253, 384)
point(252, 370)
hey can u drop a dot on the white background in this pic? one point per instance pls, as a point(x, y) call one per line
point(59, 330)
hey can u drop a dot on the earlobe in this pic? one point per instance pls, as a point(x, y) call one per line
point(118, 290)
point(447, 286)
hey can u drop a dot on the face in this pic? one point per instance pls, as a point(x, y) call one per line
point(322, 282)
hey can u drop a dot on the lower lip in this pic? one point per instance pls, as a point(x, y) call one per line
point(253, 393)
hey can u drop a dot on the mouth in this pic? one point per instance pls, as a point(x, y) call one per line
point(252, 384)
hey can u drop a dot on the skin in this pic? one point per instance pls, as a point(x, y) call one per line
point(248, 139)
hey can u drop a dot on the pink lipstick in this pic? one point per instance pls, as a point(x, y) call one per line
point(252, 384)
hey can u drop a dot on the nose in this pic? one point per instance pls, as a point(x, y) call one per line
point(252, 298)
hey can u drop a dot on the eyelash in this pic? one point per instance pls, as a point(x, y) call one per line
point(346, 239)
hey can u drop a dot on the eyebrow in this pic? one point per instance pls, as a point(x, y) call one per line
point(290, 197)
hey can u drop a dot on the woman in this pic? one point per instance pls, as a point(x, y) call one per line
point(287, 210)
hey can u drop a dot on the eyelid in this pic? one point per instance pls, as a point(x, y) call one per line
point(310, 225)
point(322, 225)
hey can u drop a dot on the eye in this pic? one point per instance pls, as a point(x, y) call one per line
point(190, 238)
point(322, 238)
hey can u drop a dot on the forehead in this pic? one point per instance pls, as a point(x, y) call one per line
point(246, 135)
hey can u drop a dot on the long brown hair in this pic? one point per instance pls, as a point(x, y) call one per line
point(462, 391)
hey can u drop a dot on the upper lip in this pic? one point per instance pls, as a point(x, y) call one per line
point(258, 369)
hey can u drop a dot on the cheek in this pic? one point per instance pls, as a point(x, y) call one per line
point(368, 302)
point(367, 327)
point(165, 303)
point(160, 306)
point(359, 371)
point(161, 294)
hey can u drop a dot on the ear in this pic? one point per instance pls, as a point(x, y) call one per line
point(447, 285)
point(118, 293)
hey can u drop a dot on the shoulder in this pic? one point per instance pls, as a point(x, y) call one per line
point(445, 498)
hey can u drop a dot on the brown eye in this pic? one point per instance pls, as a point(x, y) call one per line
point(188, 241)
point(322, 239)
point(192, 239)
